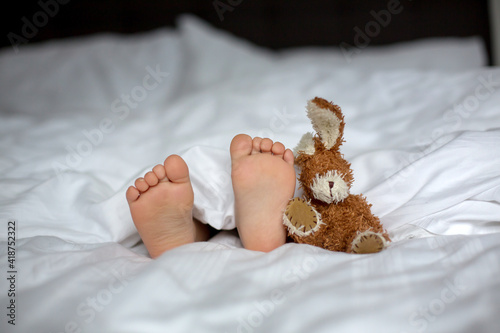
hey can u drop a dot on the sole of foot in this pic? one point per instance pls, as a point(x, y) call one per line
point(263, 179)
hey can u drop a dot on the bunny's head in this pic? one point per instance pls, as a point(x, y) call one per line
point(325, 175)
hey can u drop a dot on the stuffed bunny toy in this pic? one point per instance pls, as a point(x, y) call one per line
point(328, 215)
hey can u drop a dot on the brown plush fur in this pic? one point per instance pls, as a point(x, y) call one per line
point(343, 220)
point(319, 163)
point(342, 223)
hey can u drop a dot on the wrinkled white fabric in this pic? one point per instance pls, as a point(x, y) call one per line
point(81, 119)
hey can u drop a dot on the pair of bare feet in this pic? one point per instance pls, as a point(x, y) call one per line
point(263, 177)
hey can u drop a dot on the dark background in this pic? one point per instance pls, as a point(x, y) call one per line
point(274, 24)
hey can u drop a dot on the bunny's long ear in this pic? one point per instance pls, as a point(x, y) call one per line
point(327, 121)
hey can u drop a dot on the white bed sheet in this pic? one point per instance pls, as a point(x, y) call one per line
point(81, 119)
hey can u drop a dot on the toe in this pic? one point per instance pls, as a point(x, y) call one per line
point(266, 145)
point(159, 171)
point(151, 178)
point(141, 185)
point(278, 149)
point(288, 157)
point(132, 194)
point(241, 146)
point(256, 145)
point(176, 169)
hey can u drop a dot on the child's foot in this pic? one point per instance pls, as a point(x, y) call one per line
point(161, 204)
point(263, 182)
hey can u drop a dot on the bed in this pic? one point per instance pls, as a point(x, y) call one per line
point(83, 117)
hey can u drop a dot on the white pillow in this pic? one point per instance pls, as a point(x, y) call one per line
point(437, 53)
point(227, 53)
point(214, 55)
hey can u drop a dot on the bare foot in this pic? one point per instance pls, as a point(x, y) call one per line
point(161, 204)
point(263, 182)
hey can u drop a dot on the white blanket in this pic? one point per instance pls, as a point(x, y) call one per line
point(81, 119)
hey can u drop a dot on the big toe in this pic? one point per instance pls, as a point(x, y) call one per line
point(240, 146)
point(176, 170)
